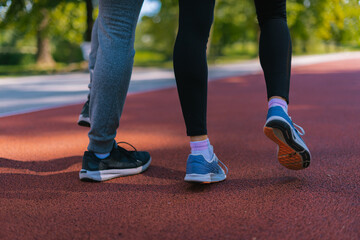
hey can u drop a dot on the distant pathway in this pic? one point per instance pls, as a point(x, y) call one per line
point(27, 94)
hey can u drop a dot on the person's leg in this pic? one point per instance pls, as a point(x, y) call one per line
point(113, 67)
point(84, 117)
point(191, 72)
point(275, 57)
point(93, 51)
point(274, 47)
point(190, 64)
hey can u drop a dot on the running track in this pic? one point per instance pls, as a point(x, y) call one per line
point(40, 156)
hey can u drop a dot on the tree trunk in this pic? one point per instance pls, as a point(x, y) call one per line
point(89, 20)
point(44, 58)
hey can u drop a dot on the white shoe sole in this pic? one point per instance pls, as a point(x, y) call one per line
point(104, 175)
point(84, 121)
point(205, 178)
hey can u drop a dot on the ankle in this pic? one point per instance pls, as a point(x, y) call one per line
point(203, 148)
point(198, 138)
point(278, 101)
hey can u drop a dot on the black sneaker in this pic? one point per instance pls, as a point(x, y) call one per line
point(121, 162)
point(84, 118)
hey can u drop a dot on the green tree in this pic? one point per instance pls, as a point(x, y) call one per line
point(235, 21)
point(311, 23)
point(43, 20)
point(158, 33)
point(338, 21)
point(24, 14)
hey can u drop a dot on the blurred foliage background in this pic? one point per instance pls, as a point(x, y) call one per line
point(44, 36)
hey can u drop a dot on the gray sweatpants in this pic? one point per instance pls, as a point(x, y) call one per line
point(113, 63)
point(93, 52)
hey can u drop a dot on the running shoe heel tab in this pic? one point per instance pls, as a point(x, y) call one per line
point(277, 110)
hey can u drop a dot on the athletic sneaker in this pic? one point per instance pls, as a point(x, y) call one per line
point(84, 118)
point(201, 171)
point(121, 162)
point(292, 150)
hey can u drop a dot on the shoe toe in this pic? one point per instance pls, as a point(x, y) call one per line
point(142, 156)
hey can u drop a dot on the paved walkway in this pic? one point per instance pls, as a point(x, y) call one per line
point(27, 94)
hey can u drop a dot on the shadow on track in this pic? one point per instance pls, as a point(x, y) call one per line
point(41, 166)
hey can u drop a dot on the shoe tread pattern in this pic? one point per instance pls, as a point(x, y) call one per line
point(289, 157)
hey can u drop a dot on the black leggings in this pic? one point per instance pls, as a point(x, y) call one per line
point(190, 65)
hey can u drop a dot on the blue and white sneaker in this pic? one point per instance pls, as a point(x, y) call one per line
point(292, 150)
point(201, 171)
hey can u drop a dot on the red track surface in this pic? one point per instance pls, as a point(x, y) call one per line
point(40, 155)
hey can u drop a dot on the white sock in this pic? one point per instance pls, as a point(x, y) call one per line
point(204, 148)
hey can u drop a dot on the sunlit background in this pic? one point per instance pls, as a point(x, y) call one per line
point(45, 36)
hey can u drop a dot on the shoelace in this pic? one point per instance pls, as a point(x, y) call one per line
point(127, 144)
point(125, 151)
point(227, 170)
point(298, 128)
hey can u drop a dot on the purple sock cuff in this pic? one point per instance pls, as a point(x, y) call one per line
point(200, 145)
point(278, 102)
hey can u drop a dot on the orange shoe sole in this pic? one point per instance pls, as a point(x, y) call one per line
point(287, 156)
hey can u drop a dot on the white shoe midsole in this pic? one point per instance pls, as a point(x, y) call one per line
point(103, 175)
point(209, 177)
point(85, 119)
